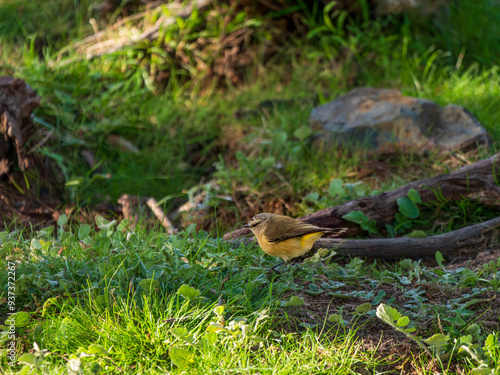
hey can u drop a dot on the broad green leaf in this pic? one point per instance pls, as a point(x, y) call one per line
point(21, 319)
point(281, 137)
point(483, 371)
point(407, 225)
point(104, 224)
point(100, 221)
point(219, 310)
point(336, 187)
point(214, 327)
point(268, 162)
point(302, 133)
point(364, 308)
point(437, 340)
point(387, 279)
point(467, 339)
point(357, 217)
point(414, 196)
point(182, 333)
point(257, 339)
point(388, 314)
point(83, 231)
point(312, 197)
point(379, 297)
point(390, 230)
point(148, 285)
point(473, 329)
point(155, 272)
point(63, 219)
point(65, 324)
point(335, 318)
point(357, 188)
point(53, 252)
point(104, 268)
point(4, 334)
point(188, 292)
point(406, 264)
point(417, 234)
point(408, 208)
point(24, 371)
point(439, 259)
point(403, 321)
point(28, 359)
point(97, 349)
point(293, 301)
point(179, 332)
point(180, 357)
point(35, 244)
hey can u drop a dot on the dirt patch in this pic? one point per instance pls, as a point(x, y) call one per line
point(443, 304)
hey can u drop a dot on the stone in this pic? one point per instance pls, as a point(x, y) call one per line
point(384, 7)
point(384, 121)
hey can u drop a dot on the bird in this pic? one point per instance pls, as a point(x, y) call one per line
point(284, 237)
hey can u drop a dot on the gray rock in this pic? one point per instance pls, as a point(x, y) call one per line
point(384, 121)
point(423, 7)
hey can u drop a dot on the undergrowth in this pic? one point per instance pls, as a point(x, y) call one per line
point(158, 119)
point(121, 300)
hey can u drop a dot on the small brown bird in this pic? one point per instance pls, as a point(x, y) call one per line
point(285, 237)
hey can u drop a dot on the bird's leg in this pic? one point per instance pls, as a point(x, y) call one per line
point(273, 267)
point(294, 261)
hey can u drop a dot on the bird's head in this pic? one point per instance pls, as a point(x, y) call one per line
point(259, 222)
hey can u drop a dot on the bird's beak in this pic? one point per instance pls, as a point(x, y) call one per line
point(246, 226)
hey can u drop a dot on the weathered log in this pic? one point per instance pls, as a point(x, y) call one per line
point(478, 181)
point(465, 241)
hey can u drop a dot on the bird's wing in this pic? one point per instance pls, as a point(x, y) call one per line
point(299, 229)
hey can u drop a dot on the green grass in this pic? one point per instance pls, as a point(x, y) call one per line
point(182, 127)
point(212, 307)
point(85, 292)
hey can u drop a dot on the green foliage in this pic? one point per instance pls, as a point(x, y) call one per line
point(123, 300)
point(294, 301)
point(364, 221)
point(169, 296)
point(404, 219)
point(439, 259)
point(392, 317)
point(180, 357)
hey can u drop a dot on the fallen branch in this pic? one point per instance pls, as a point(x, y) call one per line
point(479, 181)
point(164, 220)
point(465, 242)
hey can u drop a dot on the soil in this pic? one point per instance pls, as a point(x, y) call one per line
point(395, 347)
